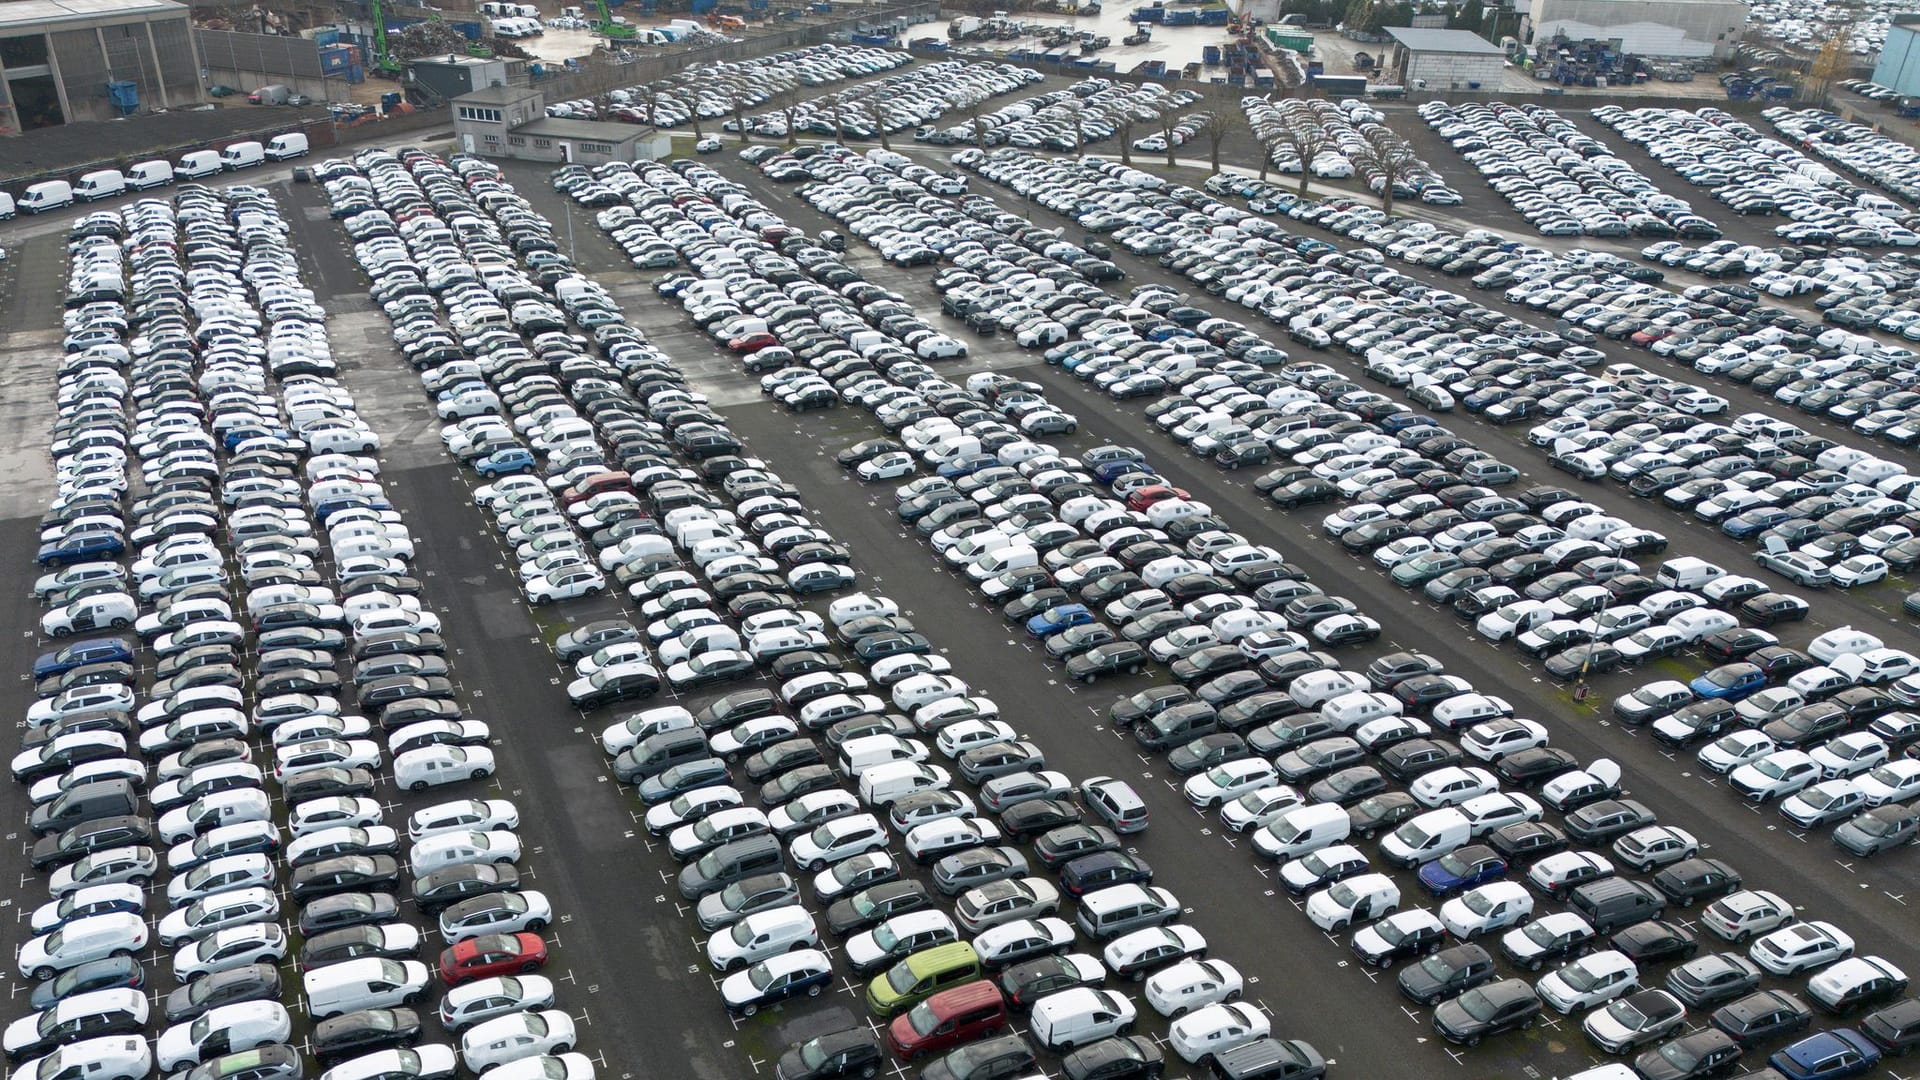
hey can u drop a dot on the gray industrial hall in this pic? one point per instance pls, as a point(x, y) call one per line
point(64, 61)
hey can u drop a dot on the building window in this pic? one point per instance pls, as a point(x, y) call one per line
point(492, 140)
point(469, 112)
point(20, 52)
point(596, 148)
point(516, 140)
point(543, 144)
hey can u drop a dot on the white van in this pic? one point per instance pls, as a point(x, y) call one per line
point(108, 1057)
point(1349, 711)
point(197, 164)
point(149, 174)
point(1168, 511)
point(364, 983)
point(47, 195)
point(871, 751)
point(7, 209)
point(282, 147)
point(969, 549)
point(1316, 688)
point(242, 155)
point(1687, 572)
point(100, 185)
point(1303, 829)
point(1426, 837)
point(884, 785)
point(994, 563)
point(1081, 1015)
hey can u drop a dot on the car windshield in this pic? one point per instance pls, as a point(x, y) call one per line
point(1772, 770)
point(1627, 1014)
point(1680, 1056)
point(1477, 1005)
point(1479, 902)
point(1413, 836)
point(813, 1054)
point(1390, 931)
point(1455, 865)
point(901, 978)
point(760, 976)
point(923, 1019)
point(886, 937)
point(1579, 978)
point(1344, 895)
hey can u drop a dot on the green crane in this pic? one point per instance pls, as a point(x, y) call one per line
point(612, 30)
point(381, 63)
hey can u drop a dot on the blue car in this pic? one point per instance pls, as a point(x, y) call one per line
point(80, 654)
point(1730, 682)
point(1467, 868)
point(1399, 422)
point(1108, 471)
point(323, 511)
point(85, 547)
point(1754, 522)
point(1057, 618)
point(1826, 1056)
point(501, 462)
point(966, 465)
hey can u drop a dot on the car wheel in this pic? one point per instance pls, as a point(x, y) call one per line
point(749, 1010)
point(869, 1071)
point(1535, 964)
point(1473, 1040)
point(1137, 976)
point(140, 882)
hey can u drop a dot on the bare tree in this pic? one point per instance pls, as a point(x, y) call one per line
point(1268, 133)
point(971, 102)
point(1308, 140)
point(875, 112)
point(1388, 158)
point(1076, 110)
point(789, 98)
point(738, 98)
point(1215, 126)
point(1123, 119)
point(1169, 119)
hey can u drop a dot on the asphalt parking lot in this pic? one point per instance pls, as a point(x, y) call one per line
point(632, 969)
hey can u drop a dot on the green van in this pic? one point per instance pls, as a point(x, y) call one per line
point(921, 976)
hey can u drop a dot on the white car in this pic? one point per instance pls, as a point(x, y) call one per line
point(220, 875)
point(1778, 774)
point(224, 1029)
point(838, 840)
point(1801, 947)
point(1486, 813)
point(500, 995)
point(234, 907)
point(224, 950)
point(1453, 785)
point(1850, 754)
point(1591, 980)
point(432, 766)
point(314, 815)
point(1746, 914)
point(509, 1038)
point(1895, 781)
point(1495, 739)
point(462, 848)
point(1654, 846)
point(573, 1066)
point(500, 913)
point(1529, 945)
point(462, 815)
point(1257, 808)
point(887, 466)
point(94, 937)
point(1193, 984)
point(1361, 898)
point(930, 840)
point(1212, 1030)
point(1229, 781)
point(1493, 906)
point(1734, 749)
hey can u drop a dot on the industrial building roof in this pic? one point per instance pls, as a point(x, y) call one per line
point(553, 127)
point(19, 15)
point(494, 95)
point(1420, 39)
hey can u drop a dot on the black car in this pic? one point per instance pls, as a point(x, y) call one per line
point(1103, 869)
point(1606, 819)
point(1763, 1015)
point(848, 1052)
point(1025, 983)
point(1407, 760)
point(1529, 768)
point(346, 873)
point(1381, 813)
point(350, 943)
point(253, 982)
point(1656, 941)
point(1527, 841)
point(1696, 879)
point(1061, 846)
point(1147, 704)
point(873, 905)
point(1690, 1057)
point(327, 782)
point(1123, 1057)
point(1507, 1005)
point(364, 1032)
point(446, 887)
point(1706, 981)
point(1896, 1028)
point(342, 910)
point(1446, 974)
point(1349, 786)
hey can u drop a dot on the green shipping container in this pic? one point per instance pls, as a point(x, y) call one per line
point(1300, 43)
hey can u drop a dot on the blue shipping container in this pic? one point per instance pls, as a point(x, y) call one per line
point(701, 7)
point(326, 37)
point(472, 31)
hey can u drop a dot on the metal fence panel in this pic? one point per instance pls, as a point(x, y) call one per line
point(266, 54)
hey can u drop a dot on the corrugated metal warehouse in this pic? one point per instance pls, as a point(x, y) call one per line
point(1444, 59)
point(1650, 28)
point(1899, 66)
point(67, 60)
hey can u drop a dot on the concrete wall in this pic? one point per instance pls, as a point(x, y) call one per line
point(1651, 28)
point(155, 54)
point(1899, 66)
point(249, 61)
point(1451, 71)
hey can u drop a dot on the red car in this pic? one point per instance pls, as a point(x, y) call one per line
point(588, 486)
point(1141, 498)
point(751, 342)
point(492, 954)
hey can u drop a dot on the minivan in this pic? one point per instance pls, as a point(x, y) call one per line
point(1611, 903)
point(1122, 909)
point(921, 976)
point(947, 1019)
point(85, 802)
point(1426, 837)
